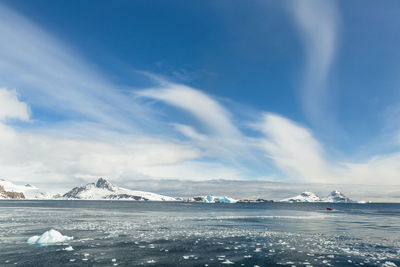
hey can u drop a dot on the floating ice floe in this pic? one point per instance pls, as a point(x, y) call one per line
point(389, 264)
point(49, 237)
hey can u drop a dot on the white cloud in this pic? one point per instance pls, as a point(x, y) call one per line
point(298, 153)
point(317, 22)
point(222, 138)
point(11, 107)
point(379, 169)
point(205, 108)
point(37, 157)
point(293, 149)
point(52, 77)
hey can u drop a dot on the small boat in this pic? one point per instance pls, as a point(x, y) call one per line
point(329, 208)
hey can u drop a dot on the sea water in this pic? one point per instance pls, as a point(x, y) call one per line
point(128, 233)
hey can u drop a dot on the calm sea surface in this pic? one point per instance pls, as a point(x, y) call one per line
point(125, 233)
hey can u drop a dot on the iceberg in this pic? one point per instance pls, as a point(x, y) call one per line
point(213, 199)
point(49, 237)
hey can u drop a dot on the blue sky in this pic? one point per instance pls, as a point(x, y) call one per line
point(302, 91)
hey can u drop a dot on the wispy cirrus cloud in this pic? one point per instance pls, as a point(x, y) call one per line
point(218, 134)
point(206, 109)
point(317, 23)
point(120, 137)
point(119, 133)
point(294, 149)
point(50, 75)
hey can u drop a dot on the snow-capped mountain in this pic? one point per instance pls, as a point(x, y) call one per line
point(337, 197)
point(21, 191)
point(303, 197)
point(334, 197)
point(103, 189)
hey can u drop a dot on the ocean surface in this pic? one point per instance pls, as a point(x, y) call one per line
point(127, 233)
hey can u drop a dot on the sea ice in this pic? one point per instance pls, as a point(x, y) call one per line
point(227, 262)
point(49, 237)
point(389, 264)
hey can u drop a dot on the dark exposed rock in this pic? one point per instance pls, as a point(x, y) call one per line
point(125, 196)
point(74, 192)
point(263, 200)
point(13, 195)
point(200, 199)
point(103, 183)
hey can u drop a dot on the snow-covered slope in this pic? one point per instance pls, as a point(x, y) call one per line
point(337, 197)
point(303, 197)
point(29, 191)
point(103, 189)
point(334, 197)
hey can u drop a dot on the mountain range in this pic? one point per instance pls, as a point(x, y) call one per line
point(335, 196)
point(103, 189)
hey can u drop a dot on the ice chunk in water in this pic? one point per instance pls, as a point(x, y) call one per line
point(389, 264)
point(49, 237)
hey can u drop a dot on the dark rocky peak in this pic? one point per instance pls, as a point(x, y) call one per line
point(103, 183)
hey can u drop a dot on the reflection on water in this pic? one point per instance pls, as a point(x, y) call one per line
point(124, 233)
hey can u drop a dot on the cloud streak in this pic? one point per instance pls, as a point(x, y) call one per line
point(317, 22)
point(207, 110)
point(50, 75)
point(294, 150)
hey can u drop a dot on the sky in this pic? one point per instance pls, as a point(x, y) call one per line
point(295, 92)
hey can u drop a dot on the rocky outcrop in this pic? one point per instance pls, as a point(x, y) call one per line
point(10, 195)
